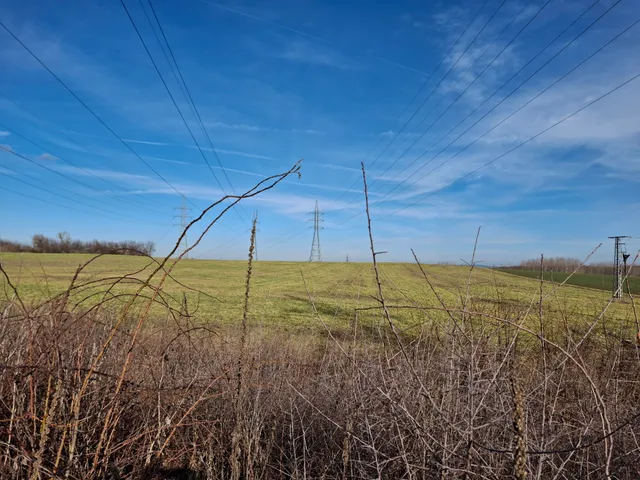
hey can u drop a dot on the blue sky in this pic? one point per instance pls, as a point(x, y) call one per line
point(329, 82)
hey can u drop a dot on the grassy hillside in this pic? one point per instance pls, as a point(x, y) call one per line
point(280, 298)
point(601, 282)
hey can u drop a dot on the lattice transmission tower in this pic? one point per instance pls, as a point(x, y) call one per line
point(184, 218)
point(316, 251)
point(619, 265)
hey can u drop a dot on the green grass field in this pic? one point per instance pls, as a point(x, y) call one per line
point(281, 299)
point(601, 282)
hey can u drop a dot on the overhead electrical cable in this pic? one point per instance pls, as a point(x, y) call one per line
point(505, 98)
point(175, 104)
point(470, 84)
point(188, 94)
point(500, 102)
point(567, 117)
point(116, 215)
point(513, 113)
point(95, 115)
point(88, 172)
point(422, 87)
point(50, 202)
point(461, 94)
point(451, 68)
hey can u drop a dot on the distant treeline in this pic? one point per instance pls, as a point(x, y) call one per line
point(568, 265)
point(65, 244)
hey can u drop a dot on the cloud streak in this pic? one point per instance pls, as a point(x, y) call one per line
point(304, 52)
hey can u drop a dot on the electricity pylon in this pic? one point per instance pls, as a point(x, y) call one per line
point(316, 251)
point(184, 221)
point(619, 265)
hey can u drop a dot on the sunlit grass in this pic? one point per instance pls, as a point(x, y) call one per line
point(284, 293)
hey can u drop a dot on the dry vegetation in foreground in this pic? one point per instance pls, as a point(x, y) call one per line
point(480, 390)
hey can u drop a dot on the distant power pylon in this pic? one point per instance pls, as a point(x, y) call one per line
point(347, 258)
point(316, 252)
point(619, 265)
point(184, 218)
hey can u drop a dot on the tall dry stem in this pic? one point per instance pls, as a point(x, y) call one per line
point(519, 430)
point(240, 428)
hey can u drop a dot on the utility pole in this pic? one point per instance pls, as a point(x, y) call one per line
point(184, 218)
point(619, 264)
point(625, 257)
point(316, 252)
point(347, 258)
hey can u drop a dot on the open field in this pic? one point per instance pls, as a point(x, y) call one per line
point(475, 374)
point(601, 282)
point(214, 290)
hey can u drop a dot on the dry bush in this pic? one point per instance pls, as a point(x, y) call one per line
point(308, 409)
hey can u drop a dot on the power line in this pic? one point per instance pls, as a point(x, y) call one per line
point(221, 246)
point(463, 92)
point(73, 94)
point(49, 202)
point(188, 93)
point(422, 87)
point(498, 104)
point(166, 55)
point(631, 79)
point(276, 240)
point(13, 132)
point(155, 66)
point(468, 86)
point(307, 35)
point(117, 216)
point(515, 111)
point(73, 141)
point(175, 104)
point(584, 107)
point(8, 150)
point(447, 74)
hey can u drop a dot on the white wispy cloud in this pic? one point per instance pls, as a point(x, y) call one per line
point(148, 142)
point(405, 134)
point(280, 202)
point(539, 162)
point(190, 146)
point(317, 40)
point(4, 134)
point(306, 52)
point(168, 160)
point(308, 131)
point(243, 154)
point(238, 126)
point(334, 167)
point(258, 128)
